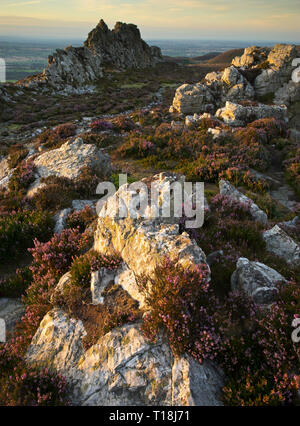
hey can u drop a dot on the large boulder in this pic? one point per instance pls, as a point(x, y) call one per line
point(193, 98)
point(77, 67)
point(240, 115)
point(256, 280)
point(229, 85)
point(143, 242)
point(122, 368)
point(231, 192)
point(69, 160)
point(282, 245)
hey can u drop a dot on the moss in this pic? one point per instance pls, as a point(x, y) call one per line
point(268, 98)
point(125, 340)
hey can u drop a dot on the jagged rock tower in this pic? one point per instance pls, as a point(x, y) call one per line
point(75, 67)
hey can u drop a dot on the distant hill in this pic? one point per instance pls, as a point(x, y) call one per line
point(207, 56)
point(226, 57)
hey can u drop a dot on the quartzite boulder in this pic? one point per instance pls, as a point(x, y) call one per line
point(282, 245)
point(70, 158)
point(122, 368)
point(257, 280)
point(240, 115)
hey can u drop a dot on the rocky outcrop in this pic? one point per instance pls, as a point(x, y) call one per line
point(5, 172)
point(122, 47)
point(78, 67)
point(74, 67)
point(272, 71)
point(194, 384)
point(287, 94)
point(278, 69)
point(11, 311)
point(70, 158)
point(4, 96)
point(229, 85)
point(230, 191)
point(122, 368)
point(279, 243)
point(143, 242)
point(259, 71)
point(192, 120)
point(251, 57)
point(99, 281)
point(238, 115)
point(212, 93)
point(256, 280)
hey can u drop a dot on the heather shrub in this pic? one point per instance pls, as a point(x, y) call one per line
point(52, 138)
point(19, 229)
point(21, 385)
point(292, 166)
point(56, 195)
point(60, 191)
point(81, 219)
point(118, 309)
point(256, 350)
point(101, 125)
point(83, 266)
point(228, 227)
point(54, 257)
point(101, 140)
point(11, 202)
point(16, 285)
point(64, 131)
point(123, 124)
point(198, 156)
point(273, 127)
point(179, 299)
point(22, 177)
point(146, 118)
point(229, 223)
point(86, 184)
point(16, 155)
point(266, 203)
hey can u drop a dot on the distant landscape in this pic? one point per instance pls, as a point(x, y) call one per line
point(24, 58)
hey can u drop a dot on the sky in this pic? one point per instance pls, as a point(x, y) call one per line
point(277, 20)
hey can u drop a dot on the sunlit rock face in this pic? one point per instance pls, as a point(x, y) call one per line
point(123, 368)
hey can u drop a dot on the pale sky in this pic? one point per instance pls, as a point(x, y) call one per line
point(182, 19)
